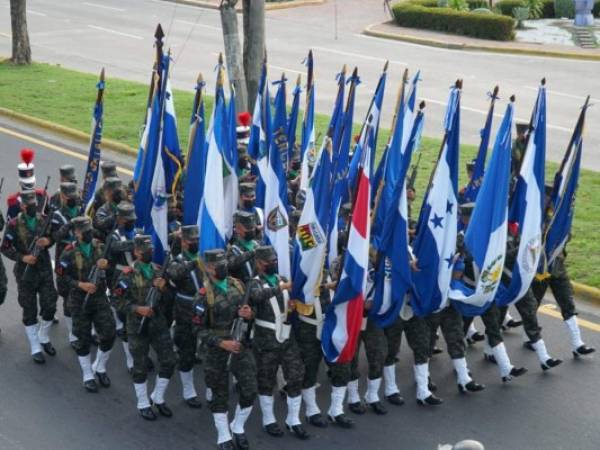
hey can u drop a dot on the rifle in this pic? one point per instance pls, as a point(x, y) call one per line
point(240, 326)
point(413, 173)
point(153, 295)
point(34, 249)
point(45, 195)
point(95, 273)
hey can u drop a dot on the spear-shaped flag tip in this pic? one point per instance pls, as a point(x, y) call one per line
point(221, 58)
point(159, 34)
point(422, 104)
point(496, 91)
point(544, 81)
point(299, 80)
point(102, 74)
point(513, 98)
point(385, 66)
point(200, 78)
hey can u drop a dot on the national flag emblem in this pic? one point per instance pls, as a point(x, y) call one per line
point(276, 220)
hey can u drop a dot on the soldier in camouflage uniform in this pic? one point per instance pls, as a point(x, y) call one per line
point(108, 170)
point(3, 277)
point(247, 204)
point(38, 281)
point(75, 267)
point(220, 303)
point(67, 175)
point(187, 279)
point(240, 253)
point(174, 225)
point(105, 216)
point(131, 294)
point(68, 207)
point(273, 345)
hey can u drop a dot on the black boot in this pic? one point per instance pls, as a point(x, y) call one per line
point(395, 399)
point(38, 358)
point(436, 351)
point(357, 408)
point(514, 373)
point(194, 402)
point(103, 379)
point(147, 414)
point(298, 431)
point(273, 429)
point(378, 408)
point(164, 410)
point(316, 420)
point(549, 364)
point(432, 400)
point(471, 386)
point(528, 345)
point(49, 349)
point(226, 446)
point(342, 421)
point(90, 386)
point(475, 337)
point(241, 441)
point(583, 350)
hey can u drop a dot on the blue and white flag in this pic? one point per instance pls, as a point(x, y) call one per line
point(435, 243)
point(526, 208)
point(562, 202)
point(171, 151)
point(211, 219)
point(310, 242)
point(485, 237)
point(308, 145)
point(196, 159)
point(276, 226)
point(293, 124)
point(91, 172)
point(230, 161)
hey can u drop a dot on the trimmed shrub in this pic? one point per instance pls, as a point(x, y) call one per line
point(478, 4)
point(505, 7)
point(485, 26)
point(564, 8)
point(482, 11)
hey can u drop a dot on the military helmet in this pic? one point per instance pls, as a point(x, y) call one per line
point(68, 189)
point(466, 209)
point(112, 184)
point(471, 166)
point(28, 197)
point(142, 242)
point(126, 210)
point(67, 172)
point(190, 232)
point(265, 253)
point(246, 219)
point(214, 256)
point(247, 189)
point(109, 169)
point(81, 223)
point(522, 127)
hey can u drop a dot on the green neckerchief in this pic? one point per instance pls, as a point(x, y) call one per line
point(190, 256)
point(221, 285)
point(30, 222)
point(73, 212)
point(86, 249)
point(146, 269)
point(271, 279)
point(247, 245)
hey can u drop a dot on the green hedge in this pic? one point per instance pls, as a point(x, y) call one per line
point(485, 26)
point(505, 7)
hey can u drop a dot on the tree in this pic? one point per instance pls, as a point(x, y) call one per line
point(233, 53)
point(21, 50)
point(254, 45)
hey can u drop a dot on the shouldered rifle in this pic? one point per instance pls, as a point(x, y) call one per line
point(97, 274)
point(413, 173)
point(240, 326)
point(153, 295)
point(34, 249)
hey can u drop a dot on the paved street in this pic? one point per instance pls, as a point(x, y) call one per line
point(46, 408)
point(117, 34)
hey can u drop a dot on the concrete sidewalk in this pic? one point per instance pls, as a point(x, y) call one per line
point(390, 30)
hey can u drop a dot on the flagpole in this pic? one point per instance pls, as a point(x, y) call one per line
point(198, 99)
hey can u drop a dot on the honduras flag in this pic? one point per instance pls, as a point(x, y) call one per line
point(310, 242)
point(293, 124)
point(526, 208)
point(171, 150)
point(196, 158)
point(91, 171)
point(435, 242)
point(276, 208)
point(485, 238)
point(393, 278)
point(211, 218)
point(344, 316)
point(307, 147)
point(562, 202)
point(472, 188)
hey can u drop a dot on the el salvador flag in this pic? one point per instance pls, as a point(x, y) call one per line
point(310, 242)
point(526, 208)
point(485, 238)
point(230, 158)
point(343, 319)
point(564, 192)
point(307, 147)
point(435, 242)
point(211, 219)
point(93, 165)
point(171, 150)
point(293, 124)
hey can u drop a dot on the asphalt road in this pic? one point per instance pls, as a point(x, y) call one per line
point(46, 408)
point(117, 34)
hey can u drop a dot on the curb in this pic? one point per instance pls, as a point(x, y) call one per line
point(108, 144)
point(369, 31)
point(268, 6)
point(586, 292)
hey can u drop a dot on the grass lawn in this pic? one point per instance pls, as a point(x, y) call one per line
point(66, 97)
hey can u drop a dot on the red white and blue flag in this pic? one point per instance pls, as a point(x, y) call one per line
point(345, 314)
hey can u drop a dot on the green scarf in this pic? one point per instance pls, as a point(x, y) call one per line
point(248, 245)
point(147, 270)
point(30, 222)
point(86, 249)
point(72, 212)
point(221, 285)
point(190, 256)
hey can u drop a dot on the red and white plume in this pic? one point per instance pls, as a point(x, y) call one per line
point(27, 155)
point(245, 118)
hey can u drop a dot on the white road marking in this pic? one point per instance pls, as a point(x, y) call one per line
point(561, 94)
point(36, 13)
point(6, 35)
point(96, 5)
point(120, 33)
point(356, 55)
point(285, 69)
point(187, 22)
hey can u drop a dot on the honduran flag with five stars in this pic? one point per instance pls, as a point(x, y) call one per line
point(435, 242)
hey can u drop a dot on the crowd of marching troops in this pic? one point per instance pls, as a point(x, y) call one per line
point(231, 307)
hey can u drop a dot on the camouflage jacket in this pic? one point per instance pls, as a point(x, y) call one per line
point(17, 241)
point(75, 266)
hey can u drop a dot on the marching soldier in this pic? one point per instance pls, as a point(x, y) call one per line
point(247, 204)
point(187, 279)
point(273, 345)
point(108, 170)
point(67, 175)
point(33, 273)
point(3, 277)
point(240, 254)
point(105, 216)
point(68, 207)
point(221, 302)
point(75, 267)
point(26, 182)
point(131, 295)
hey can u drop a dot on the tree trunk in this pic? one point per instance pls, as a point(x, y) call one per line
point(254, 45)
point(21, 51)
point(233, 53)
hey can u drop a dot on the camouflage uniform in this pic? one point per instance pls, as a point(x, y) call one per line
point(75, 266)
point(109, 170)
point(273, 346)
point(3, 277)
point(240, 254)
point(67, 175)
point(131, 292)
point(105, 216)
point(219, 303)
point(38, 281)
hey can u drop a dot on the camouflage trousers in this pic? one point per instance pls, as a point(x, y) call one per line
point(376, 350)
point(268, 360)
point(527, 308)
point(243, 367)
point(98, 314)
point(39, 285)
point(561, 287)
point(491, 321)
point(3, 282)
point(451, 324)
point(417, 336)
point(185, 341)
point(312, 355)
point(157, 336)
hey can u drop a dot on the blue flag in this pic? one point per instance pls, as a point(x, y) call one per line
point(171, 151)
point(307, 147)
point(230, 161)
point(293, 124)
